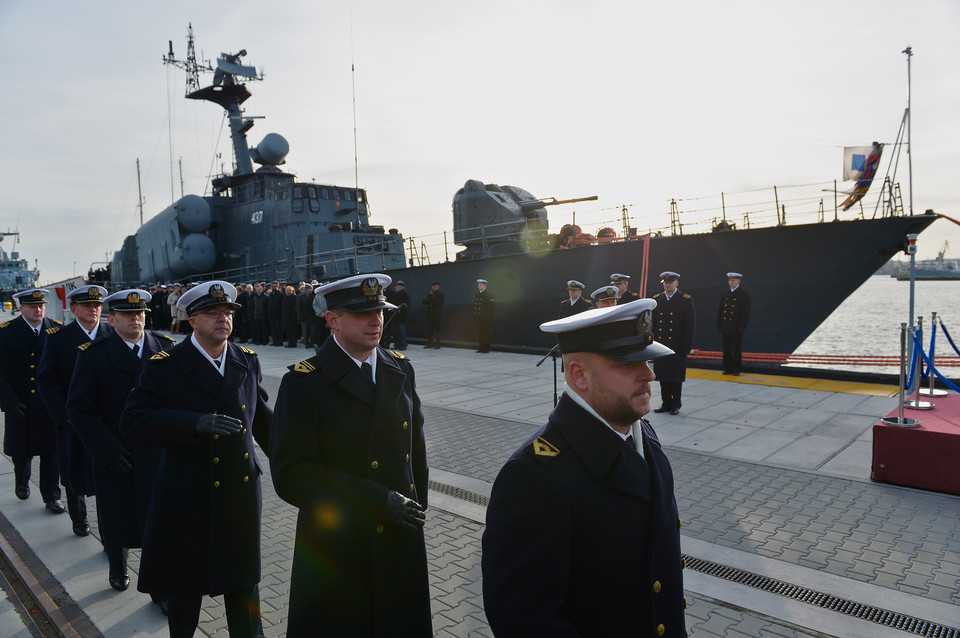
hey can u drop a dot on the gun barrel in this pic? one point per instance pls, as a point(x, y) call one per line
point(553, 201)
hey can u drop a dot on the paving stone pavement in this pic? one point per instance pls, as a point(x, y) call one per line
point(793, 512)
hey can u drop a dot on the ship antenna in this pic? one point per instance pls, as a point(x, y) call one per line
point(356, 163)
point(909, 52)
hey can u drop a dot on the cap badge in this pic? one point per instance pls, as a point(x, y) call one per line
point(36, 294)
point(216, 291)
point(370, 287)
point(93, 293)
point(133, 297)
point(645, 324)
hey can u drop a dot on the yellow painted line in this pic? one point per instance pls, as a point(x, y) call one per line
point(800, 383)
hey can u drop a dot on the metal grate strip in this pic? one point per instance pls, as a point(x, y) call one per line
point(460, 493)
point(903, 622)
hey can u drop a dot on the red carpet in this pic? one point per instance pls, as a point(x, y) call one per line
point(926, 457)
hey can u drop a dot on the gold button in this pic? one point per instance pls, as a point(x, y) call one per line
point(404, 426)
point(656, 587)
point(32, 379)
point(216, 436)
point(244, 431)
point(683, 563)
point(374, 465)
point(684, 603)
point(379, 529)
point(33, 391)
point(32, 366)
point(216, 483)
point(246, 479)
point(243, 408)
point(406, 458)
point(661, 629)
point(216, 460)
point(246, 455)
point(412, 488)
point(679, 523)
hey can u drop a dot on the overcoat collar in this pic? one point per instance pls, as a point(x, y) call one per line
point(196, 370)
point(340, 370)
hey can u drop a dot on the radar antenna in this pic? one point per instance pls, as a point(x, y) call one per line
point(189, 65)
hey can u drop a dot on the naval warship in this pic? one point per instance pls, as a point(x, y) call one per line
point(260, 224)
point(15, 272)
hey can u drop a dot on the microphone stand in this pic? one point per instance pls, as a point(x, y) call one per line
point(552, 353)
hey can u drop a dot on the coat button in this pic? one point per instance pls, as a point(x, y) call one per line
point(679, 523)
point(33, 391)
point(412, 488)
point(216, 460)
point(684, 603)
point(32, 366)
point(404, 426)
point(406, 458)
point(246, 455)
point(32, 379)
point(661, 629)
point(374, 465)
point(216, 483)
point(683, 563)
point(244, 431)
point(243, 408)
point(216, 436)
point(379, 529)
point(246, 479)
point(656, 587)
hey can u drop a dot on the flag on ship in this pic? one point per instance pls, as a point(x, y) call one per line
point(860, 163)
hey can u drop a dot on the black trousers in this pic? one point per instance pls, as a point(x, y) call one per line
point(483, 336)
point(49, 475)
point(731, 353)
point(243, 614)
point(433, 331)
point(670, 394)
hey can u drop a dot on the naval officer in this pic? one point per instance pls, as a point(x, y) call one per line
point(732, 317)
point(582, 535)
point(622, 282)
point(201, 403)
point(604, 296)
point(56, 371)
point(674, 322)
point(348, 450)
point(483, 303)
point(575, 303)
point(106, 371)
point(28, 430)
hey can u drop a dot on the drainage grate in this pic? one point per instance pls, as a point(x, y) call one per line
point(462, 494)
point(910, 624)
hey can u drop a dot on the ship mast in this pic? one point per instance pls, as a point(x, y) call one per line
point(909, 52)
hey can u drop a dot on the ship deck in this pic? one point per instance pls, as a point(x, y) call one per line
point(772, 477)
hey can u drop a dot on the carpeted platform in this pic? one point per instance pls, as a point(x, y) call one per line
point(927, 456)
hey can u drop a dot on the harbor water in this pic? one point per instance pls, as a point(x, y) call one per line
point(868, 322)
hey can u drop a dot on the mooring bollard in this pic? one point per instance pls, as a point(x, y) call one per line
point(899, 420)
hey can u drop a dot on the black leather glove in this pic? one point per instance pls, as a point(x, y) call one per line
point(119, 466)
point(218, 424)
point(403, 512)
point(19, 411)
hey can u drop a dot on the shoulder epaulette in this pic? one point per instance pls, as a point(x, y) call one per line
point(56, 321)
point(160, 335)
point(163, 354)
point(303, 367)
point(397, 355)
point(686, 296)
point(53, 331)
point(248, 351)
point(656, 295)
point(543, 450)
point(589, 301)
point(4, 324)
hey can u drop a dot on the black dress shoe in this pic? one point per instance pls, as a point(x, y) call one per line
point(56, 507)
point(674, 411)
point(661, 409)
point(23, 492)
point(82, 529)
point(120, 582)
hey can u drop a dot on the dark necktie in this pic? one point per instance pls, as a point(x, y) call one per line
point(136, 350)
point(630, 442)
point(367, 371)
point(216, 362)
point(36, 331)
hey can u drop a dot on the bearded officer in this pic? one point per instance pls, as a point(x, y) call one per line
point(28, 430)
point(575, 303)
point(348, 450)
point(674, 322)
point(622, 282)
point(582, 535)
point(53, 381)
point(106, 371)
point(202, 533)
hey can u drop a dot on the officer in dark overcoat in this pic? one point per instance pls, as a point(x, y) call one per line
point(483, 303)
point(202, 403)
point(53, 382)
point(674, 322)
point(106, 371)
point(434, 303)
point(28, 430)
point(622, 282)
point(582, 536)
point(733, 315)
point(576, 302)
point(350, 453)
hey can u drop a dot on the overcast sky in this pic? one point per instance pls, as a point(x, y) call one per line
point(636, 102)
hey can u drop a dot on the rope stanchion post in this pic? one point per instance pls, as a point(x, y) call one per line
point(916, 403)
point(900, 420)
point(932, 391)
